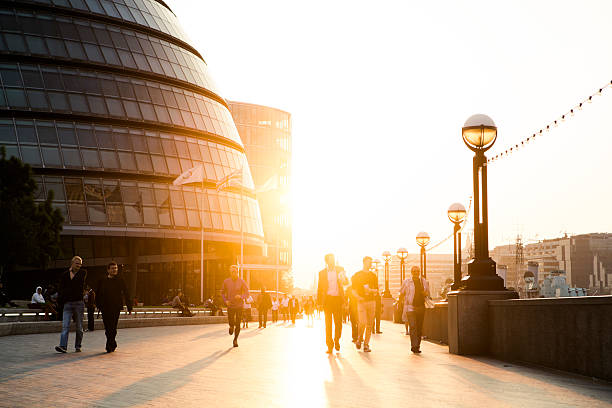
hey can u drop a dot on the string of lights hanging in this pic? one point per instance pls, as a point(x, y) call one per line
point(567, 115)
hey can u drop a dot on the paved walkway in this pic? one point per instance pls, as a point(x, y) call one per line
point(281, 366)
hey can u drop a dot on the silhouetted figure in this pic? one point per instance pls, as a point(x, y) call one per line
point(275, 307)
point(365, 286)
point(330, 294)
point(235, 290)
point(264, 304)
point(294, 308)
point(4, 298)
point(377, 313)
point(353, 314)
point(111, 295)
point(179, 303)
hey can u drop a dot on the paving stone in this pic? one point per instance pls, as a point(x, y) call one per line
point(280, 366)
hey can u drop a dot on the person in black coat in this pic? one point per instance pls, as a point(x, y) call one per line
point(264, 303)
point(111, 295)
point(294, 308)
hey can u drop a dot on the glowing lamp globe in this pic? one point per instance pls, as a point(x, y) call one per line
point(402, 253)
point(422, 239)
point(386, 256)
point(456, 213)
point(479, 132)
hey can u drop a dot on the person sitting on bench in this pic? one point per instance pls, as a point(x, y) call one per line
point(177, 303)
point(38, 302)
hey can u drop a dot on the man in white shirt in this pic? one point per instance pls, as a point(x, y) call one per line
point(275, 306)
point(285, 308)
point(330, 295)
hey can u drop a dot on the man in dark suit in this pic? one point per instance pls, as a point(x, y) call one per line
point(330, 295)
point(294, 308)
point(111, 295)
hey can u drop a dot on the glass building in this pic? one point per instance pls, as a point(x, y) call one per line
point(109, 103)
point(266, 134)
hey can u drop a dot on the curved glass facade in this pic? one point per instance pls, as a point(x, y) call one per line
point(109, 103)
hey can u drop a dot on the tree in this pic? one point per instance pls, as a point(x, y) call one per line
point(30, 232)
point(48, 222)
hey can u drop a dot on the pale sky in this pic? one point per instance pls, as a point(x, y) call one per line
point(378, 92)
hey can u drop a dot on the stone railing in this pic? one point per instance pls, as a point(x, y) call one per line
point(435, 326)
point(570, 334)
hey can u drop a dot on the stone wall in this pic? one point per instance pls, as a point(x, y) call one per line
point(435, 326)
point(570, 334)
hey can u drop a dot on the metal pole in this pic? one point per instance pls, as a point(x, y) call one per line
point(202, 244)
point(459, 253)
point(387, 291)
point(424, 263)
point(241, 234)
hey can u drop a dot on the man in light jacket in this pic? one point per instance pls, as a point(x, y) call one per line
point(330, 295)
point(415, 289)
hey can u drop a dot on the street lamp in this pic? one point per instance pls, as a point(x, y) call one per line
point(402, 253)
point(375, 264)
point(387, 257)
point(456, 213)
point(479, 133)
point(422, 240)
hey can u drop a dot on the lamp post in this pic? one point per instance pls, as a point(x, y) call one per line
point(402, 253)
point(479, 133)
point(375, 264)
point(422, 240)
point(456, 213)
point(387, 257)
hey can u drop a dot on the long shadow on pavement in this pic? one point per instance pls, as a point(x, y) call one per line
point(153, 387)
point(51, 360)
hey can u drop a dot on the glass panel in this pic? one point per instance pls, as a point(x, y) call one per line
point(180, 219)
point(51, 156)
point(173, 165)
point(78, 214)
point(109, 159)
point(7, 132)
point(115, 214)
point(112, 194)
point(15, 98)
point(74, 191)
point(159, 164)
point(177, 199)
point(47, 134)
point(127, 161)
point(97, 214)
point(58, 101)
point(86, 137)
point(72, 157)
point(94, 192)
point(31, 155)
point(144, 162)
point(90, 158)
point(150, 215)
point(193, 219)
point(164, 216)
point(133, 214)
point(26, 132)
point(66, 135)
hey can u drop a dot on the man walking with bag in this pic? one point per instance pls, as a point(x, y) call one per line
point(365, 286)
point(415, 290)
point(111, 296)
point(330, 294)
point(71, 289)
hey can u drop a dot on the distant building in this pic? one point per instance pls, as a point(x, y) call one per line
point(266, 135)
point(576, 255)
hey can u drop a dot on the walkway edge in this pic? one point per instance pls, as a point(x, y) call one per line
point(20, 328)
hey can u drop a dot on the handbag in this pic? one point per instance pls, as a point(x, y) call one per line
point(429, 304)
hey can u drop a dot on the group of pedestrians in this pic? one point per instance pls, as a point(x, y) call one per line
point(109, 296)
point(364, 304)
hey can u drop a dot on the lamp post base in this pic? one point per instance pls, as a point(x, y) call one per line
point(482, 275)
point(387, 293)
